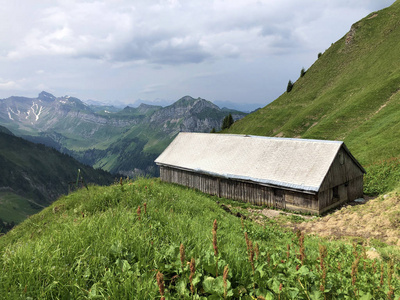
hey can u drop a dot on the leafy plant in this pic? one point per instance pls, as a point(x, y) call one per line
point(97, 244)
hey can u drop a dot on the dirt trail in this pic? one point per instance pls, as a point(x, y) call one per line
point(377, 218)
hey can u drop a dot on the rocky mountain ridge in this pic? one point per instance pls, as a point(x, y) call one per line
point(98, 135)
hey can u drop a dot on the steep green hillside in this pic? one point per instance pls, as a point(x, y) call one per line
point(114, 242)
point(350, 93)
point(33, 175)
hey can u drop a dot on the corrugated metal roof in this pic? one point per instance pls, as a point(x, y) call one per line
point(299, 164)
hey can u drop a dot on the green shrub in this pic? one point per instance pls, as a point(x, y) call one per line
point(289, 86)
point(302, 72)
point(382, 177)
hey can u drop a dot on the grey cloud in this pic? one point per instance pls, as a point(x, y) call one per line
point(119, 46)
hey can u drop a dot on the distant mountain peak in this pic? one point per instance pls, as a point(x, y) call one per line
point(145, 105)
point(190, 101)
point(46, 96)
point(187, 98)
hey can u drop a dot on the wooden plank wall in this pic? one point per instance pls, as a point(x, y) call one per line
point(342, 170)
point(242, 191)
point(347, 191)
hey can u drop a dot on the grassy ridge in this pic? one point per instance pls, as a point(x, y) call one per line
point(350, 93)
point(95, 244)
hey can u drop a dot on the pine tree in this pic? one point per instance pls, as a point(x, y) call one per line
point(289, 86)
point(302, 72)
point(227, 122)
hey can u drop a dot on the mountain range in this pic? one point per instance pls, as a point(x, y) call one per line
point(124, 141)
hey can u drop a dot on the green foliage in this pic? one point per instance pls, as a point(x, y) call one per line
point(33, 175)
point(213, 130)
point(289, 86)
point(382, 177)
point(319, 54)
point(302, 72)
point(15, 208)
point(227, 122)
point(96, 243)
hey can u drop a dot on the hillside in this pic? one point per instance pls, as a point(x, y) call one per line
point(120, 141)
point(117, 242)
point(350, 93)
point(33, 175)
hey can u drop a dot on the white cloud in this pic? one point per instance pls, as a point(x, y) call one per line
point(108, 49)
point(8, 85)
point(164, 32)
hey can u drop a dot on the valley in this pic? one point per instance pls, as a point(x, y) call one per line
point(32, 176)
point(124, 141)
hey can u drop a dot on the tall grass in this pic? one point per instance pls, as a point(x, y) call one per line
point(94, 244)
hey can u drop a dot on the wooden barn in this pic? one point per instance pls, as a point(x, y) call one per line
point(297, 174)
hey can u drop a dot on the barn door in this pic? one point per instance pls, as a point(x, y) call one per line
point(279, 199)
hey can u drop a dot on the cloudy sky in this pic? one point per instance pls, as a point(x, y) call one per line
point(118, 51)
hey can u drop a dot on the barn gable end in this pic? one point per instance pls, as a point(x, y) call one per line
point(286, 173)
point(343, 182)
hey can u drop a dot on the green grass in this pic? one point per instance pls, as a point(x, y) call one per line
point(37, 174)
point(350, 93)
point(15, 208)
point(92, 244)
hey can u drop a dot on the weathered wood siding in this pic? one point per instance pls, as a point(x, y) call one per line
point(342, 170)
point(253, 193)
point(342, 183)
point(301, 202)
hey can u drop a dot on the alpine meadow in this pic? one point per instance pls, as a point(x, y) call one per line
point(143, 238)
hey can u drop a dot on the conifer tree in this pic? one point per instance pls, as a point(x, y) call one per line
point(289, 86)
point(227, 122)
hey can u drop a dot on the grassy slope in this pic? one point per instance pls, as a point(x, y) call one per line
point(350, 93)
point(15, 208)
point(92, 244)
point(32, 176)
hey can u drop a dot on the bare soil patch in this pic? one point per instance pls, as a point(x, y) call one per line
point(373, 218)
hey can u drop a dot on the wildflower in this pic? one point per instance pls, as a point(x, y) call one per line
point(354, 270)
point(160, 282)
point(257, 250)
point(192, 271)
point(224, 278)
point(214, 232)
point(251, 255)
point(215, 246)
